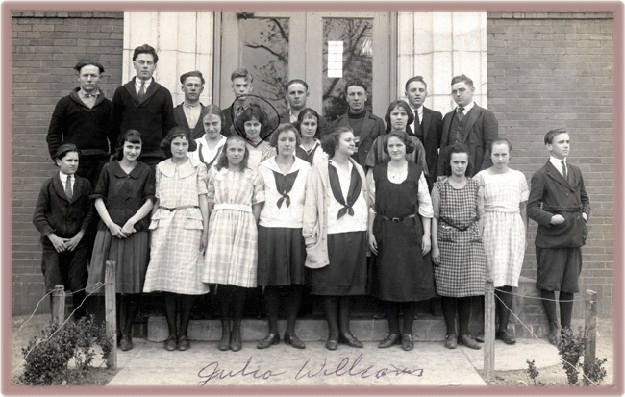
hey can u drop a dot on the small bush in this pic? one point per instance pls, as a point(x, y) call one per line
point(532, 371)
point(594, 372)
point(47, 355)
point(571, 348)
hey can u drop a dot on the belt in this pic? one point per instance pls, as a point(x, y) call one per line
point(182, 207)
point(396, 219)
point(238, 207)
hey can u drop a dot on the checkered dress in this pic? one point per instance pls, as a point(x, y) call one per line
point(504, 231)
point(462, 267)
point(232, 254)
point(176, 233)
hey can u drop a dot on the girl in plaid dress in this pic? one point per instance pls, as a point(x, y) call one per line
point(457, 247)
point(179, 233)
point(505, 225)
point(235, 197)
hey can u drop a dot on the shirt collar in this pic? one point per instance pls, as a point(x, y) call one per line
point(83, 93)
point(557, 163)
point(64, 177)
point(195, 106)
point(147, 83)
point(168, 167)
point(467, 108)
point(419, 112)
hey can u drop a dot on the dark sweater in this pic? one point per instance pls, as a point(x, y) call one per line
point(56, 214)
point(73, 122)
point(153, 117)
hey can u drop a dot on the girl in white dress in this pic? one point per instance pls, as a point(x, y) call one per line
point(309, 149)
point(210, 144)
point(505, 226)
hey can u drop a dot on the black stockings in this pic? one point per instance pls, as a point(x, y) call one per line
point(337, 313)
point(450, 307)
point(503, 298)
point(231, 303)
point(392, 315)
point(178, 303)
point(272, 304)
point(566, 307)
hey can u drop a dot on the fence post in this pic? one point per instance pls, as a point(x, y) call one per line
point(590, 331)
point(58, 304)
point(109, 305)
point(489, 329)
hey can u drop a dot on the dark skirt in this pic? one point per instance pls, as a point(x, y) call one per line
point(281, 256)
point(347, 272)
point(131, 256)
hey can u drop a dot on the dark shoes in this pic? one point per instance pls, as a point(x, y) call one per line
point(125, 343)
point(183, 343)
point(350, 340)
point(171, 343)
point(451, 341)
point(389, 341)
point(332, 342)
point(293, 340)
point(553, 334)
point(469, 342)
point(505, 337)
point(224, 342)
point(268, 340)
point(406, 342)
point(480, 338)
point(235, 341)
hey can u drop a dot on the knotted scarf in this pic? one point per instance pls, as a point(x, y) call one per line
point(355, 186)
point(284, 183)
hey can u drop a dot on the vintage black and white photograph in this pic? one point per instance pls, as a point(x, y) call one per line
point(313, 195)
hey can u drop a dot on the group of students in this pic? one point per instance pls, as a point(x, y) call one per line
point(286, 207)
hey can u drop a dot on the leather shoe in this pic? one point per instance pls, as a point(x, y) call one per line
point(553, 334)
point(268, 340)
point(183, 343)
point(171, 343)
point(235, 341)
point(469, 342)
point(350, 340)
point(332, 342)
point(126, 343)
point(389, 341)
point(224, 342)
point(406, 342)
point(480, 338)
point(293, 340)
point(505, 337)
point(451, 341)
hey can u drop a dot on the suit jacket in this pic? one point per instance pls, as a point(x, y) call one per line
point(323, 128)
point(432, 131)
point(56, 214)
point(228, 122)
point(559, 196)
point(372, 127)
point(480, 130)
point(181, 120)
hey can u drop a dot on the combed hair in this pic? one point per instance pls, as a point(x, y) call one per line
point(295, 81)
point(214, 109)
point(499, 141)
point(331, 141)
point(300, 119)
point(402, 104)
point(193, 73)
point(273, 140)
point(145, 49)
point(552, 134)
point(462, 79)
point(410, 146)
point(64, 149)
point(84, 62)
point(132, 136)
point(253, 112)
point(355, 83)
point(222, 162)
point(242, 72)
point(416, 78)
point(175, 133)
point(458, 147)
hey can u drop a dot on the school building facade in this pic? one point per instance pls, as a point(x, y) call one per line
point(535, 70)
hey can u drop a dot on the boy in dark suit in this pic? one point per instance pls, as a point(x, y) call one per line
point(62, 216)
point(559, 204)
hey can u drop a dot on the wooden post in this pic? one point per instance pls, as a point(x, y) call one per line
point(489, 329)
point(590, 330)
point(58, 304)
point(109, 305)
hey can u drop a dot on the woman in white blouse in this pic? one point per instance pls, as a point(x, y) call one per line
point(309, 149)
point(210, 144)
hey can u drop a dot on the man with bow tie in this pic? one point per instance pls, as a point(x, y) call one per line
point(143, 105)
point(470, 124)
point(82, 118)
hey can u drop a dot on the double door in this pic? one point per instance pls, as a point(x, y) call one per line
point(325, 49)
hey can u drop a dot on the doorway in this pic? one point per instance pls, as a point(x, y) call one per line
point(322, 48)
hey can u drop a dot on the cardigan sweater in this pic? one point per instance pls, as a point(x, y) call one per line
point(315, 226)
point(56, 214)
point(153, 117)
point(73, 122)
point(181, 119)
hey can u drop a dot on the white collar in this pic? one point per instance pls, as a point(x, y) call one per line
point(147, 83)
point(64, 177)
point(272, 164)
point(168, 167)
point(467, 108)
point(557, 162)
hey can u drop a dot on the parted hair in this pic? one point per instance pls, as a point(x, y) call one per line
point(253, 112)
point(330, 142)
point(552, 134)
point(193, 73)
point(416, 78)
point(222, 162)
point(174, 133)
point(64, 149)
point(410, 146)
point(404, 105)
point(458, 147)
point(145, 49)
point(300, 119)
point(242, 72)
point(132, 136)
point(84, 62)
point(214, 109)
point(462, 79)
point(500, 141)
point(273, 140)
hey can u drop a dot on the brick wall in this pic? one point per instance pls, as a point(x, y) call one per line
point(551, 70)
point(45, 47)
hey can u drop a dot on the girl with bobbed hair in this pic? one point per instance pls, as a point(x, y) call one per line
point(335, 230)
point(398, 117)
point(211, 143)
point(307, 126)
point(124, 197)
point(252, 125)
point(179, 234)
point(457, 247)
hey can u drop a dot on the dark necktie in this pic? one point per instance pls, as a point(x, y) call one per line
point(68, 188)
point(460, 113)
point(355, 186)
point(565, 174)
point(141, 92)
point(284, 184)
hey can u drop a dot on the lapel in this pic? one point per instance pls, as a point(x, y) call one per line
point(59, 189)
point(446, 127)
point(132, 90)
point(181, 118)
point(367, 126)
point(427, 118)
point(473, 115)
point(553, 173)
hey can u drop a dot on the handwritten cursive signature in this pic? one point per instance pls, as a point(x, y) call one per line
point(345, 367)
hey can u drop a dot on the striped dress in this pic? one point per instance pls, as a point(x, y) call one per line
point(232, 254)
point(504, 231)
point(462, 266)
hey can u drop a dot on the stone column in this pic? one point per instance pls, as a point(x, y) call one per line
point(438, 46)
point(183, 42)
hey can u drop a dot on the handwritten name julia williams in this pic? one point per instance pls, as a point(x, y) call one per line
point(345, 367)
